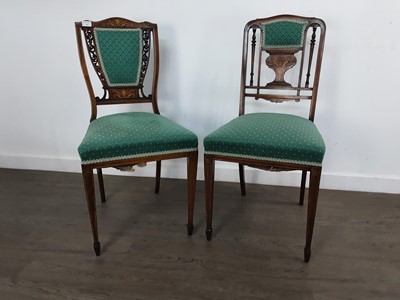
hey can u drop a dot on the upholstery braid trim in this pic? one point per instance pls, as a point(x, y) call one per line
point(280, 160)
point(106, 159)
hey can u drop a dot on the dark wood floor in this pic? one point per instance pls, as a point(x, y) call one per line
point(257, 250)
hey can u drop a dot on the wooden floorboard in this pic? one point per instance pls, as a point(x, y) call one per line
point(256, 252)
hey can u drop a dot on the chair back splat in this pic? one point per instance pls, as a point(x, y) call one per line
point(122, 53)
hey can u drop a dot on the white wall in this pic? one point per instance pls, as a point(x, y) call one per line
point(45, 108)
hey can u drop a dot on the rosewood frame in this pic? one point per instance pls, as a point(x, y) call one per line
point(276, 86)
point(124, 98)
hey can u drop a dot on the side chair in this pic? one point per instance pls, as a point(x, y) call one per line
point(268, 140)
point(121, 51)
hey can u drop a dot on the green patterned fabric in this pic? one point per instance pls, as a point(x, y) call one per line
point(133, 134)
point(283, 33)
point(120, 55)
point(268, 136)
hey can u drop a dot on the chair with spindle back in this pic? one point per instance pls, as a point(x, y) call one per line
point(120, 52)
point(274, 141)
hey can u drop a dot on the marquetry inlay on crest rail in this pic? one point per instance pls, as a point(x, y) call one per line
point(117, 23)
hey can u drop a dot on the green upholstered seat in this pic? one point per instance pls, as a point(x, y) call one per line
point(268, 136)
point(134, 134)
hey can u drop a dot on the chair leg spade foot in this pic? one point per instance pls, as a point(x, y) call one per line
point(96, 247)
point(209, 233)
point(190, 228)
point(307, 255)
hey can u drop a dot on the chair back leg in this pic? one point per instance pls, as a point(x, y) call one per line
point(191, 181)
point(158, 176)
point(315, 177)
point(242, 180)
point(302, 187)
point(209, 171)
point(101, 185)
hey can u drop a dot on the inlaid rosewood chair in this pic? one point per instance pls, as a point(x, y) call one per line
point(274, 141)
point(120, 51)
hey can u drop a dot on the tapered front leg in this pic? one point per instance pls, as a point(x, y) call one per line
point(88, 181)
point(315, 177)
point(191, 180)
point(209, 170)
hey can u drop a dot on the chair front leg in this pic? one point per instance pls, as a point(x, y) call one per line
point(88, 181)
point(209, 170)
point(158, 176)
point(101, 185)
point(191, 178)
point(315, 177)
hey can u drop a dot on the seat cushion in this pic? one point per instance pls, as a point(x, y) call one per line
point(134, 134)
point(268, 136)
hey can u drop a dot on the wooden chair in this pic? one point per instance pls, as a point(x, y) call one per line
point(273, 141)
point(120, 51)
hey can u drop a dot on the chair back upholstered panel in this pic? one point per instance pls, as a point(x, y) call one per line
point(284, 33)
point(120, 55)
point(272, 47)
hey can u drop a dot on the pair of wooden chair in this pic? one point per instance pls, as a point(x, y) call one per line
point(120, 51)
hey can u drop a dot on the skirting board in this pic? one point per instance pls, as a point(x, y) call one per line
point(224, 172)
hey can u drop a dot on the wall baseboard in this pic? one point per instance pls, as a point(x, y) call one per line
point(224, 172)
